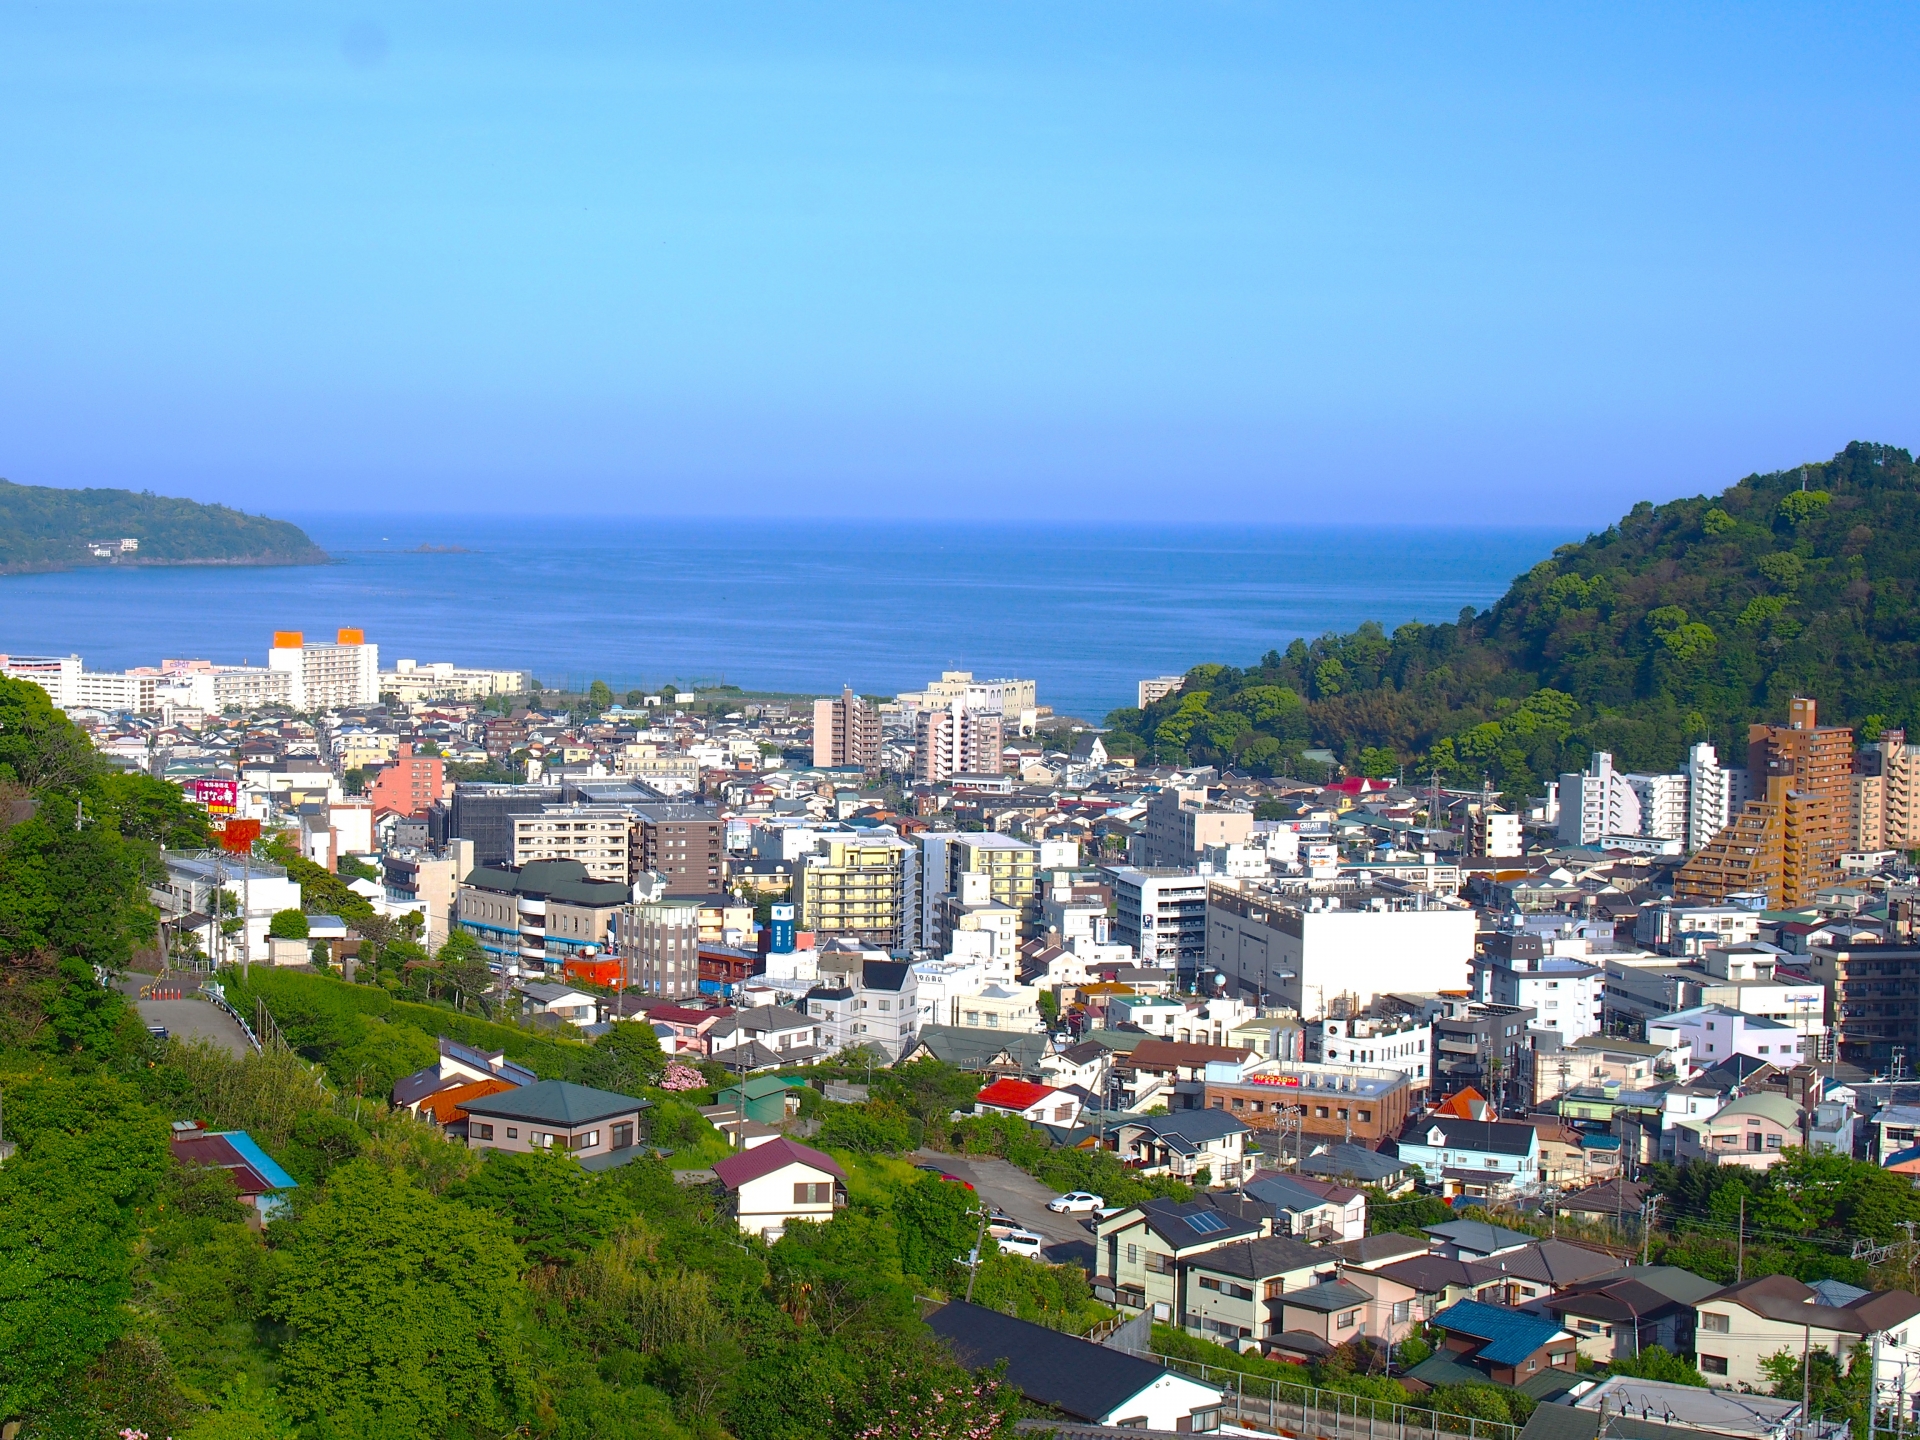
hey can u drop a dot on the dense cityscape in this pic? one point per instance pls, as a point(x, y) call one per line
point(1291, 1015)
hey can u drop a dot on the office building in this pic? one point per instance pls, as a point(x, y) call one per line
point(484, 814)
point(956, 741)
point(855, 886)
point(339, 676)
point(1332, 954)
point(658, 945)
point(1181, 825)
point(846, 733)
point(1786, 844)
point(1161, 913)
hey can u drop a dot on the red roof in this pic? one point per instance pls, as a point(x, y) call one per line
point(1014, 1094)
point(745, 1165)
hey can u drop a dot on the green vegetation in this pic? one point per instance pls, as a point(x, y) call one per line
point(42, 528)
point(1685, 621)
point(1656, 1362)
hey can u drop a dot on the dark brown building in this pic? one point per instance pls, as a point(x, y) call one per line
point(1873, 994)
point(1321, 1102)
point(684, 843)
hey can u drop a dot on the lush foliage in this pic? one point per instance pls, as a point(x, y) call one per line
point(1656, 1362)
point(43, 528)
point(1684, 621)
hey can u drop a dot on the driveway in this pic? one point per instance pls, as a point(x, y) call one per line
point(196, 1020)
point(1008, 1188)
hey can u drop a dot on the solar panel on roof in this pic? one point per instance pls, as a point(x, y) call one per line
point(1205, 1222)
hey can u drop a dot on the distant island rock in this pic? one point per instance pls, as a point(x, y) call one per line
point(43, 528)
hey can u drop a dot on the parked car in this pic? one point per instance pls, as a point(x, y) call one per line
point(1075, 1200)
point(1020, 1242)
point(159, 1032)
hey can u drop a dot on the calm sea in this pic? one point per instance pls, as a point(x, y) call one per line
point(800, 606)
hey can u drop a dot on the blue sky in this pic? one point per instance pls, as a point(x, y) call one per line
point(1101, 260)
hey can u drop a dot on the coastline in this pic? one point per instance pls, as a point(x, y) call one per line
point(54, 567)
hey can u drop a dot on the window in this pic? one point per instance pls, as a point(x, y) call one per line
point(1347, 1319)
point(1533, 1364)
point(1319, 1112)
point(1402, 1311)
point(1207, 1282)
point(1713, 1364)
point(1158, 1264)
point(479, 1131)
point(584, 1142)
point(812, 1192)
point(1717, 1323)
point(1133, 1254)
point(1238, 1103)
point(1365, 1117)
point(512, 1134)
point(1276, 1288)
point(1343, 1113)
point(623, 1136)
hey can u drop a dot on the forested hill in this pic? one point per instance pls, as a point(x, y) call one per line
point(1681, 622)
point(47, 529)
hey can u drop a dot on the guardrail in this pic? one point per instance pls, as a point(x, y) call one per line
point(214, 993)
point(1309, 1410)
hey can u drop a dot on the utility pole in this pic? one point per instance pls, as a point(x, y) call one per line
point(1646, 1228)
point(1740, 1253)
point(1873, 1384)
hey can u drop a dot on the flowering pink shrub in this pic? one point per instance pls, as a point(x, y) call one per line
point(681, 1077)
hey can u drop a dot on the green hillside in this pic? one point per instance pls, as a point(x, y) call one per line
point(42, 528)
point(1682, 622)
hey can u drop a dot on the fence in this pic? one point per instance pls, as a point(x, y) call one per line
point(212, 990)
point(1310, 1410)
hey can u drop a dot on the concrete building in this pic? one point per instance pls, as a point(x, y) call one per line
point(1161, 914)
point(1874, 995)
point(1496, 834)
point(484, 814)
point(1181, 825)
point(1390, 1042)
point(410, 785)
point(855, 886)
point(846, 732)
point(409, 681)
point(1597, 802)
point(58, 675)
point(1663, 805)
point(681, 841)
point(429, 881)
point(533, 919)
point(594, 835)
point(1158, 687)
point(1331, 954)
point(1717, 1033)
point(340, 676)
point(253, 889)
point(956, 741)
point(873, 1003)
point(1714, 795)
point(1009, 699)
point(1011, 867)
point(657, 942)
point(1566, 994)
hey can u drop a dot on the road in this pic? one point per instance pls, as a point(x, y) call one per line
point(195, 1020)
point(1004, 1187)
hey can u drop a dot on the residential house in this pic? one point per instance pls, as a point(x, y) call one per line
point(1621, 1313)
point(978, 1051)
point(1312, 1210)
point(1438, 1282)
point(257, 1178)
point(1093, 1384)
point(1474, 1239)
point(445, 1107)
point(691, 1027)
point(1738, 1327)
point(1231, 1291)
point(775, 1034)
point(1749, 1132)
point(1184, 1145)
point(776, 1183)
point(1476, 1158)
point(1139, 1250)
point(1357, 1165)
point(1373, 1251)
point(561, 1002)
point(458, 1065)
point(1085, 1064)
point(599, 1128)
point(1543, 1268)
point(1355, 1305)
point(1508, 1347)
point(1040, 1104)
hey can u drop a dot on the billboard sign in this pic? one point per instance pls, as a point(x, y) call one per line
point(221, 797)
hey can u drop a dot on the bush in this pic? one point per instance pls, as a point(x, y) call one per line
point(876, 1128)
point(288, 925)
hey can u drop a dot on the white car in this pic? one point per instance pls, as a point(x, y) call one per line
point(1074, 1200)
point(1020, 1242)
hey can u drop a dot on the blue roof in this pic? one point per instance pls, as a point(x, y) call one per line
point(1511, 1335)
point(261, 1162)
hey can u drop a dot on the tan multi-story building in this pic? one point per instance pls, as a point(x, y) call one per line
point(956, 741)
point(1869, 812)
point(683, 843)
point(1181, 825)
point(855, 886)
point(1788, 842)
point(595, 835)
point(1009, 699)
point(846, 732)
point(1891, 783)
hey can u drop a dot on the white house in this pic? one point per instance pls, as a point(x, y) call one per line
point(563, 1002)
point(781, 1181)
point(1717, 1033)
point(1039, 1104)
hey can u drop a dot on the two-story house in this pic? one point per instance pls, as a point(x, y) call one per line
point(599, 1128)
point(1139, 1250)
point(1738, 1327)
point(1476, 1158)
point(1490, 1342)
point(1310, 1209)
point(1233, 1292)
point(764, 1038)
point(1749, 1132)
point(778, 1182)
point(1186, 1145)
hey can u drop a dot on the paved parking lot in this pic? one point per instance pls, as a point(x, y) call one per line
point(195, 1020)
point(1007, 1188)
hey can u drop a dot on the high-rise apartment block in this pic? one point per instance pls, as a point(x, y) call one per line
point(846, 732)
point(1600, 805)
point(683, 844)
point(1788, 843)
point(410, 785)
point(327, 677)
point(594, 835)
point(1714, 795)
point(855, 886)
point(1887, 794)
point(1597, 802)
point(1009, 699)
point(956, 741)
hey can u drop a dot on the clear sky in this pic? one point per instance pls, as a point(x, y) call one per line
point(1147, 262)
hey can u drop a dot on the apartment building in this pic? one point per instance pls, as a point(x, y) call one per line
point(1597, 802)
point(846, 732)
point(409, 681)
point(1568, 995)
point(1008, 699)
point(594, 835)
point(875, 1004)
point(1788, 841)
point(1402, 1042)
point(1875, 1001)
point(683, 842)
point(410, 785)
point(1332, 953)
point(956, 741)
point(855, 886)
point(1156, 688)
point(1161, 914)
point(658, 945)
point(1181, 825)
point(339, 676)
point(58, 675)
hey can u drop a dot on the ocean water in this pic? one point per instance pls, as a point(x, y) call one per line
point(787, 606)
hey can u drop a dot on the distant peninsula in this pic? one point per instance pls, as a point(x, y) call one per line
point(43, 528)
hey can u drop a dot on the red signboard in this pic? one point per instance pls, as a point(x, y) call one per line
point(239, 835)
point(1292, 1080)
point(221, 797)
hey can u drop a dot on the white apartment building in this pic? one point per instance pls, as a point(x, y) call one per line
point(956, 741)
point(443, 680)
point(598, 836)
point(940, 986)
point(258, 889)
point(1496, 834)
point(1567, 995)
point(1596, 802)
point(215, 688)
point(1181, 825)
point(1714, 795)
point(1663, 805)
point(1330, 955)
point(1386, 1042)
point(1717, 1033)
point(1161, 914)
point(58, 675)
point(134, 691)
point(1158, 687)
point(327, 677)
point(1009, 699)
